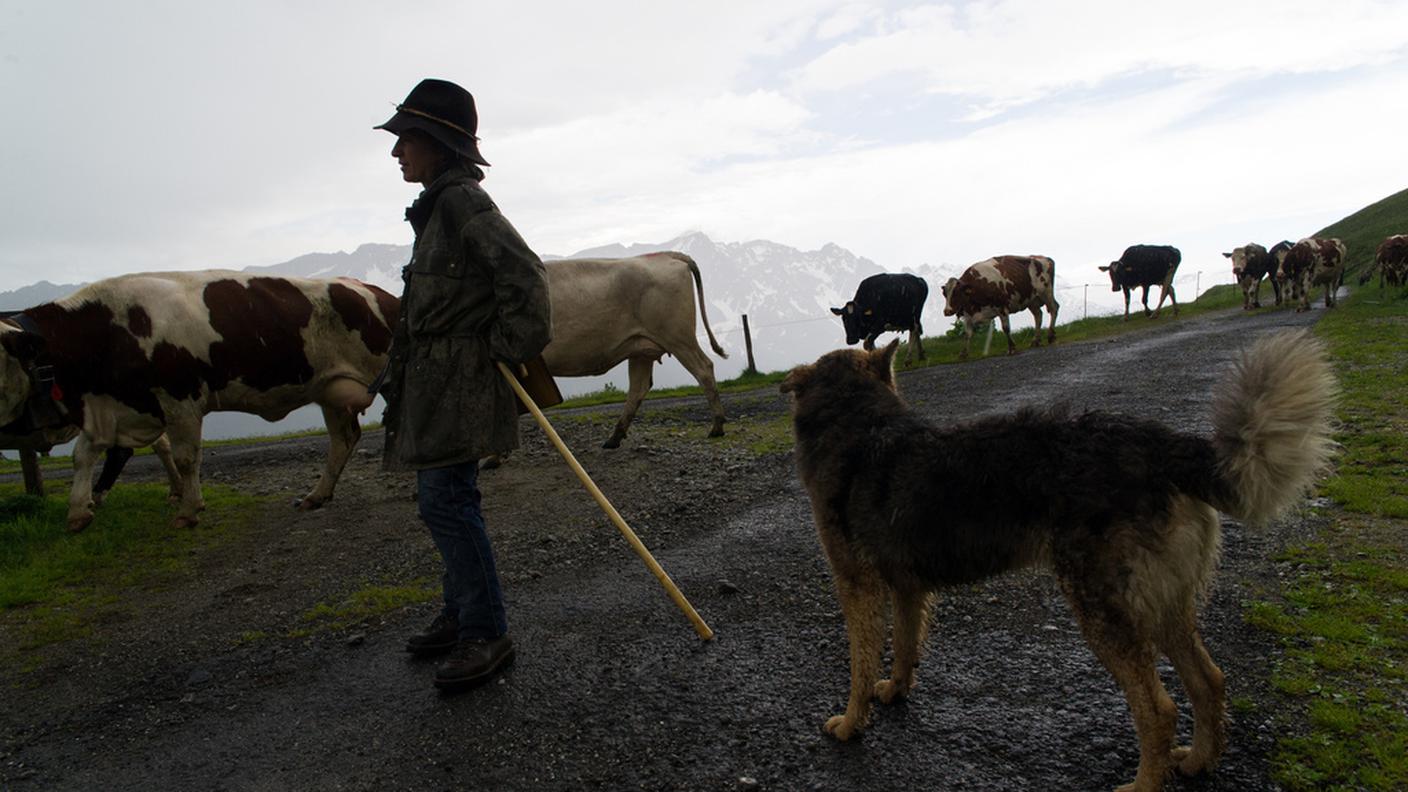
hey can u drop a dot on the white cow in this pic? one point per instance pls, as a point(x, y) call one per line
point(635, 309)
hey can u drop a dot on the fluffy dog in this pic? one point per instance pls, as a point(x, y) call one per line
point(1122, 510)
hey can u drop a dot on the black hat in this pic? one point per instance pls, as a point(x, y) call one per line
point(442, 110)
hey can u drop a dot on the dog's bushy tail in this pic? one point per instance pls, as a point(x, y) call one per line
point(1272, 424)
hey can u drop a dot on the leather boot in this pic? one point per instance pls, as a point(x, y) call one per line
point(440, 637)
point(474, 662)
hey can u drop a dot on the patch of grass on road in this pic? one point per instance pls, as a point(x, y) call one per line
point(1342, 612)
point(55, 585)
point(365, 603)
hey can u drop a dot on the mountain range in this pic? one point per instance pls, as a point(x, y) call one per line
point(785, 292)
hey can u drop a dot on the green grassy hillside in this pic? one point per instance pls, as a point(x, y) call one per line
point(1362, 231)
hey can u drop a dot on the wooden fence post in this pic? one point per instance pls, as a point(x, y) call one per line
point(748, 342)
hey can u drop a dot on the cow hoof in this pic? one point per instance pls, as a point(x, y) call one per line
point(77, 524)
point(182, 523)
point(614, 442)
point(309, 503)
point(99, 497)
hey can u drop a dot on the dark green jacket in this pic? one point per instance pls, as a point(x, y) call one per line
point(474, 294)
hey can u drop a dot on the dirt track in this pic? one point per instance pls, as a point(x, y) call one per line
point(195, 685)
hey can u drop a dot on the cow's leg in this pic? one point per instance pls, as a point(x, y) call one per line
point(916, 341)
point(967, 339)
point(162, 449)
point(1036, 326)
point(344, 430)
point(1276, 289)
point(33, 479)
point(80, 498)
point(1051, 308)
point(640, 372)
point(1007, 331)
point(697, 363)
point(341, 400)
point(1146, 301)
point(114, 460)
point(1126, 305)
point(1172, 298)
point(184, 434)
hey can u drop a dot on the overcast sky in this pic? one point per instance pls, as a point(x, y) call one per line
point(179, 135)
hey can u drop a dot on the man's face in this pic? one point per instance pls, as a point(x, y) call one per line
point(419, 156)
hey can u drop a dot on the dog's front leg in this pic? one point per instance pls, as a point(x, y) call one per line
point(911, 626)
point(863, 604)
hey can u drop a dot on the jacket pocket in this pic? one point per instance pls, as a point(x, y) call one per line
point(437, 261)
point(433, 298)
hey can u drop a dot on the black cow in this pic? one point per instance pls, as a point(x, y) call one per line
point(884, 303)
point(1143, 266)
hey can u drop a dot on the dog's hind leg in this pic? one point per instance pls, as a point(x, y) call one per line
point(1116, 633)
point(911, 613)
point(862, 598)
point(1204, 682)
point(1155, 716)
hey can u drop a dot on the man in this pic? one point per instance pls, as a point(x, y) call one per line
point(474, 294)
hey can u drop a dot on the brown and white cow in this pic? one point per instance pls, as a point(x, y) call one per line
point(1391, 260)
point(134, 356)
point(635, 309)
point(1313, 262)
point(1000, 286)
point(1250, 264)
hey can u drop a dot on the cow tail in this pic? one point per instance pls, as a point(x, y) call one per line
point(699, 287)
point(1272, 425)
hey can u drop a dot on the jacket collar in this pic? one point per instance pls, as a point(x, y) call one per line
point(418, 213)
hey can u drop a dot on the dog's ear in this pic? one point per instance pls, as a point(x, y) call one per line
point(882, 362)
point(796, 379)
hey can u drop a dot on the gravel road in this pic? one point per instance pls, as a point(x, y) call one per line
point(193, 681)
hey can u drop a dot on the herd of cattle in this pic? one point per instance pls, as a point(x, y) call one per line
point(140, 360)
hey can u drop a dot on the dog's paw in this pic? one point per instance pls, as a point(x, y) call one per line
point(837, 726)
point(1188, 762)
point(888, 691)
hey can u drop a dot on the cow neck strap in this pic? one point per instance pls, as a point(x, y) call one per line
point(46, 406)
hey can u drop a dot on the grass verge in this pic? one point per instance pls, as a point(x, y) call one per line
point(1342, 611)
point(55, 586)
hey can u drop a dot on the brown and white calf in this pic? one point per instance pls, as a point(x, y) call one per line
point(1313, 262)
point(1250, 264)
point(1391, 260)
point(125, 359)
point(1000, 286)
point(1142, 266)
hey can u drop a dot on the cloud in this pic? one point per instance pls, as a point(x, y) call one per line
point(1006, 54)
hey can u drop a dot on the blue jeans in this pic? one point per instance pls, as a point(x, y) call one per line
point(448, 499)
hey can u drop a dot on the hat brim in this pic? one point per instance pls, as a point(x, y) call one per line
point(455, 141)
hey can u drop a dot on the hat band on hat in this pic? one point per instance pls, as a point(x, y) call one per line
point(437, 119)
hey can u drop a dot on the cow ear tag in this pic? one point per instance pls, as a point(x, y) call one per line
point(868, 313)
point(55, 392)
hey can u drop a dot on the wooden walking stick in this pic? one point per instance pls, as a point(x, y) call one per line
point(670, 588)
